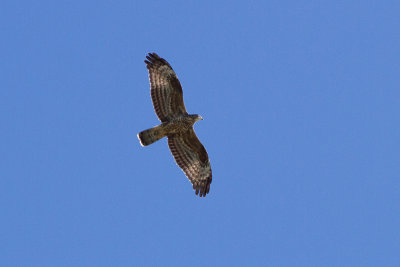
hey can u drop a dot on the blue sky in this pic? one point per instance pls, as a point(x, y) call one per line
point(301, 105)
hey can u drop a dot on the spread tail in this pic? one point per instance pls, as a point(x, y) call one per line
point(147, 137)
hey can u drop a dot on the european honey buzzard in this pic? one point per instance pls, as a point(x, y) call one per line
point(176, 124)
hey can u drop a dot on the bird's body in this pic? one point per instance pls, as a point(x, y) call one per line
point(176, 125)
point(179, 124)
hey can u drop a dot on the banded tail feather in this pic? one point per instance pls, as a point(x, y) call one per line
point(149, 136)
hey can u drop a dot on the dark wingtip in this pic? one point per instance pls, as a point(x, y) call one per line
point(152, 59)
point(154, 55)
point(203, 188)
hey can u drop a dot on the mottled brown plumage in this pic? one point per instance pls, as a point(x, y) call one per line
point(176, 125)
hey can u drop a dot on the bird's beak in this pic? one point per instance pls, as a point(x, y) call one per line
point(201, 118)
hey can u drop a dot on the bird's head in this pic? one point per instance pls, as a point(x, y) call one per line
point(196, 117)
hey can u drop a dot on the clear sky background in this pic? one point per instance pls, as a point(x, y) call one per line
point(301, 105)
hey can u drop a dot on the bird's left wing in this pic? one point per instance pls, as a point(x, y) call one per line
point(192, 157)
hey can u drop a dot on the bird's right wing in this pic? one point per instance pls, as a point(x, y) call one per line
point(166, 90)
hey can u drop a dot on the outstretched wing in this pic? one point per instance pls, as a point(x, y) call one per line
point(192, 157)
point(166, 90)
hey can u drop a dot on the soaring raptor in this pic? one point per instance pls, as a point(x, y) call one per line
point(176, 124)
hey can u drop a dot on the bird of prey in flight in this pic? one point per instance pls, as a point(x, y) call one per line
point(176, 124)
